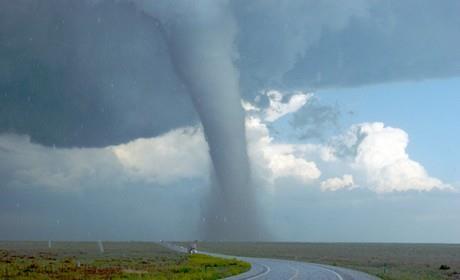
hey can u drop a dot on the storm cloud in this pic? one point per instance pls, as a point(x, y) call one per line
point(77, 73)
point(105, 73)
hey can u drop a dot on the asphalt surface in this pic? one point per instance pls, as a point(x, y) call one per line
point(274, 269)
point(271, 269)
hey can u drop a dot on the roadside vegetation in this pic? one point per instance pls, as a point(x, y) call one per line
point(387, 261)
point(119, 260)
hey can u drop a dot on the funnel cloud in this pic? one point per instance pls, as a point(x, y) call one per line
point(200, 37)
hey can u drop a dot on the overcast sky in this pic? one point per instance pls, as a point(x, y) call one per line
point(351, 114)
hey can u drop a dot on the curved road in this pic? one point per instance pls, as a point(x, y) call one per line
point(274, 269)
point(268, 269)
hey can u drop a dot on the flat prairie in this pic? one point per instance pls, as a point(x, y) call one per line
point(108, 260)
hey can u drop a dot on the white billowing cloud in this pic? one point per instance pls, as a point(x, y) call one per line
point(272, 160)
point(317, 152)
point(337, 183)
point(288, 165)
point(248, 107)
point(23, 163)
point(379, 152)
point(183, 153)
point(380, 146)
point(178, 154)
point(370, 155)
point(277, 108)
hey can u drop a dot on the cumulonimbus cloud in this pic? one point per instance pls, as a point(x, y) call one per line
point(367, 155)
point(336, 183)
point(104, 69)
point(379, 153)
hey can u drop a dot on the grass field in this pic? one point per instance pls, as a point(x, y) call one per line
point(119, 260)
point(387, 261)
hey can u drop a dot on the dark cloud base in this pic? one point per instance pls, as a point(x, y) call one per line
point(76, 73)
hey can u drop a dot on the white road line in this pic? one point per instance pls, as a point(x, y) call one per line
point(296, 273)
point(331, 271)
point(267, 270)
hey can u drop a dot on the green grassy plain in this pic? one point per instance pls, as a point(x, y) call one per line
point(387, 261)
point(120, 260)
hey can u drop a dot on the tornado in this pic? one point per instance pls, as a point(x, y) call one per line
point(200, 38)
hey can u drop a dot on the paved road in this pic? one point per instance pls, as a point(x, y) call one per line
point(268, 269)
point(274, 269)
